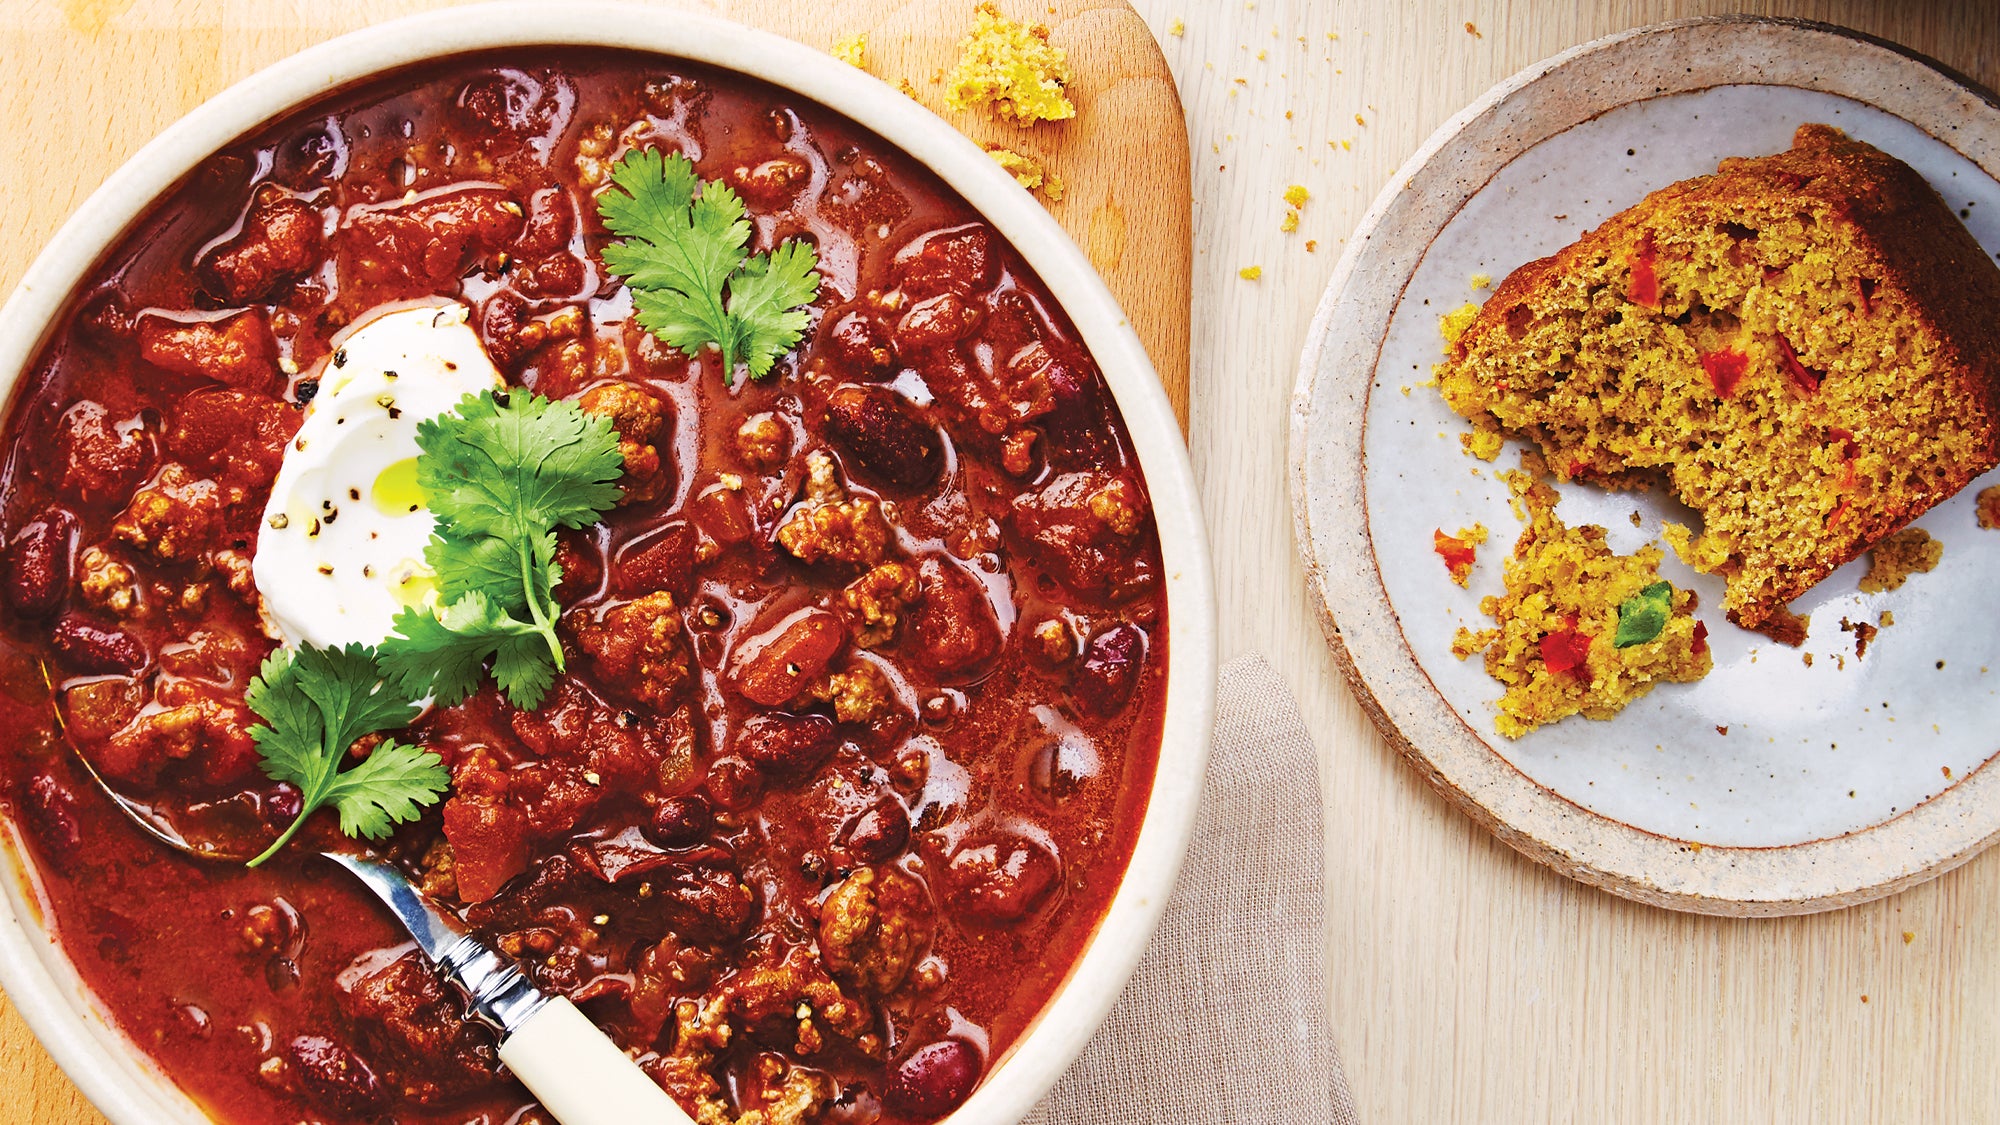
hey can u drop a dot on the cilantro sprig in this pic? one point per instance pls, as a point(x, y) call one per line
point(683, 256)
point(316, 703)
point(1642, 616)
point(500, 473)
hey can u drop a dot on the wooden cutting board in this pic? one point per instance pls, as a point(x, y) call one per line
point(92, 80)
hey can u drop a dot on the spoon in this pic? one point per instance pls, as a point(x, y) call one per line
point(567, 1062)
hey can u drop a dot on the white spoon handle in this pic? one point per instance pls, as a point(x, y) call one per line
point(580, 1075)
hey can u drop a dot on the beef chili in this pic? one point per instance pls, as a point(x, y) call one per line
point(864, 670)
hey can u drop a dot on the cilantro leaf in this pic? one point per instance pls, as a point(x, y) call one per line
point(515, 466)
point(1643, 615)
point(443, 654)
point(316, 703)
point(683, 254)
point(389, 786)
point(501, 474)
point(767, 300)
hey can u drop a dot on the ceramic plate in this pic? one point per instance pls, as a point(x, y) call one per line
point(1788, 780)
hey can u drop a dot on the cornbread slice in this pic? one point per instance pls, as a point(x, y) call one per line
point(1801, 347)
point(1571, 633)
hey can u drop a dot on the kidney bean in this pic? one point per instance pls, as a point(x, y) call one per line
point(953, 626)
point(880, 832)
point(1111, 666)
point(679, 821)
point(51, 814)
point(89, 647)
point(878, 432)
point(1003, 880)
point(786, 744)
point(934, 1078)
point(857, 347)
point(38, 563)
point(774, 667)
point(333, 1074)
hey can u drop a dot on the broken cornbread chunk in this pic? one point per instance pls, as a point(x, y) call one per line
point(1801, 348)
point(1896, 557)
point(1012, 69)
point(1580, 630)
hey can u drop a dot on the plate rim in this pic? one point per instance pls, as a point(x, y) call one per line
point(1327, 463)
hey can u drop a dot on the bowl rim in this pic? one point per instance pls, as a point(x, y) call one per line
point(120, 1078)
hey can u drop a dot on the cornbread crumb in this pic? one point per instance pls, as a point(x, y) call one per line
point(1472, 30)
point(1296, 195)
point(1555, 648)
point(1460, 551)
point(1012, 69)
point(1864, 635)
point(1481, 280)
point(1988, 504)
point(1026, 170)
point(1177, 28)
point(1290, 222)
point(1453, 324)
point(1788, 346)
point(1312, 244)
point(1896, 557)
point(1484, 444)
point(852, 50)
point(1250, 273)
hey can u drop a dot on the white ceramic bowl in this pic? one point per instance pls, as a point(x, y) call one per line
point(114, 1073)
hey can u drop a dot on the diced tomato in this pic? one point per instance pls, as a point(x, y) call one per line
point(1458, 555)
point(1645, 289)
point(1700, 644)
point(489, 844)
point(1802, 377)
point(1564, 650)
point(1725, 369)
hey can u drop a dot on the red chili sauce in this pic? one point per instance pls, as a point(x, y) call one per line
point(865, 672)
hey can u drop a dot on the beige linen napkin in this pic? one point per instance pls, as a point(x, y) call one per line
point(1226, 1018)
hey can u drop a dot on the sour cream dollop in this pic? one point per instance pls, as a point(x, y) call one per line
point(342, 547)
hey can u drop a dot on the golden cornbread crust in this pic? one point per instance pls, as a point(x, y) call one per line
point(1801, 347)
point(1554, 641)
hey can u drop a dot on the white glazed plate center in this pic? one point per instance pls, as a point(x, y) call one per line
point(1810, 752)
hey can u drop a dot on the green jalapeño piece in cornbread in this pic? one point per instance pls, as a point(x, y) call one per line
point(1801, 347)
point(1580, 630)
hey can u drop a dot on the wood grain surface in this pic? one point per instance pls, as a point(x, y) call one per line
point(92, 80)
point(1468, 984)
